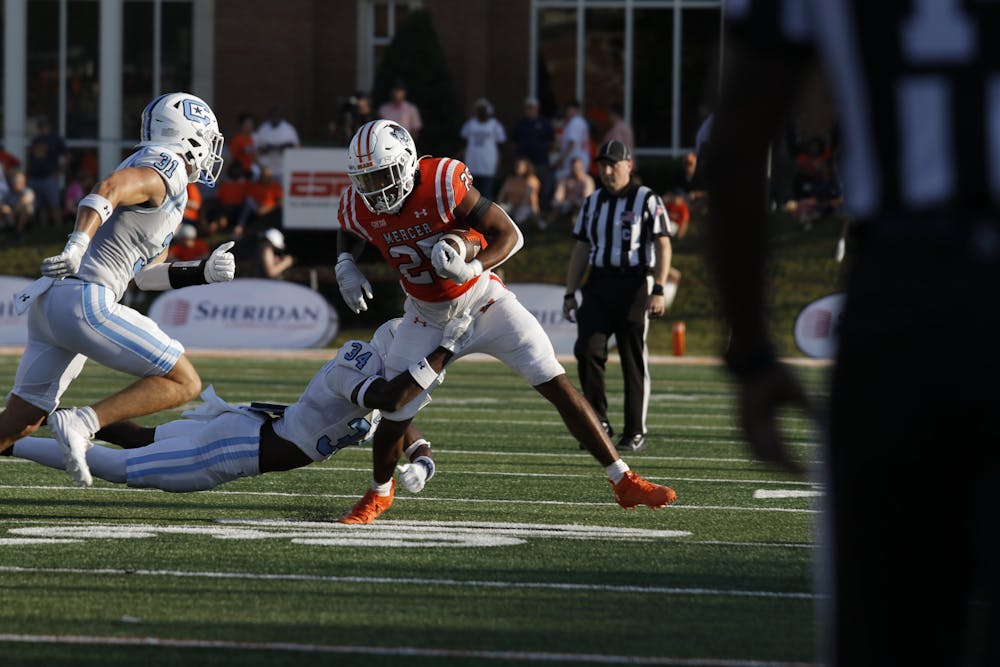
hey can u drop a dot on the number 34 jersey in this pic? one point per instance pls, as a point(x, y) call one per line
point(326, 417)
point(405, 238)
point(135, 235)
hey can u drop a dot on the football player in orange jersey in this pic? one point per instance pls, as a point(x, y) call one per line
point(403, 205)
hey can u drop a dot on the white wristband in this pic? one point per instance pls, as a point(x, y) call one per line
point(422, 373)
point(477, 267)
point(413, 447)
point(99, 204)
point(345, 256)
point(429, 463)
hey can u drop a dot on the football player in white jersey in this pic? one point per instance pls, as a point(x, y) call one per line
point(219, 442)
point(122, 232)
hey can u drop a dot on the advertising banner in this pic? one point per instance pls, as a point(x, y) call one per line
point(313, 181)
point(545, 303)
point(246, 313)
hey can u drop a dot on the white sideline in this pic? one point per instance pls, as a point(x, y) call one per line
point(412, 651)
point(418, 581)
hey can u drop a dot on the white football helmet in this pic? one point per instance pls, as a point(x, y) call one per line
point(382, 164)
point(188, 125)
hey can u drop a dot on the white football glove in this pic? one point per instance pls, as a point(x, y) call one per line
point(448, 263)
point(413, 476)
point(354, 287)
point(456, 333)
point(220, 266)
point(68, 261)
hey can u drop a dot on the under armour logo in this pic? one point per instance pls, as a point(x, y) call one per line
point(24, 297)
point(420, 214)
point(417, 320)
point(487, 306)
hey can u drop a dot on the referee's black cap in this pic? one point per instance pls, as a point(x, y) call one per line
point(613, 151)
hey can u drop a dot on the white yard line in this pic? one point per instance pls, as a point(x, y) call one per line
point(493, 501)
point(418, 581)
point(407, 651)
point(451, 471)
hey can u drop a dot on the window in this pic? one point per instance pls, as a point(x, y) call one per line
point(82, 66)
point(631, 53)
point(379, 19)
point(157, 53)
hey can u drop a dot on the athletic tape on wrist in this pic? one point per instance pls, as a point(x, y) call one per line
point(415, 446)
point(422, 373)
point(429, 462)
point(99, 204)
point(345, 257)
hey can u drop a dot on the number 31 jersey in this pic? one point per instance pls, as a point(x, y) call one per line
point(135, 235)
point(405, 238)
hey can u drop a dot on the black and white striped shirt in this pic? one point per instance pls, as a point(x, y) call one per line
point(919, 90)
point(620, 230)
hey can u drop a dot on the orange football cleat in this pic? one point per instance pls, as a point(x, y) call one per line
point(633, 490)
point(369, 507)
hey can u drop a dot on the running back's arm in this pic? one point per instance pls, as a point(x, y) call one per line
point(391, 395)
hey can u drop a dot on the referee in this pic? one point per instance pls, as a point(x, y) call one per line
point(623, 234)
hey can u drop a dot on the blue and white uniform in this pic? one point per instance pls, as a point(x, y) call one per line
point(79, 317)
point(218, 442)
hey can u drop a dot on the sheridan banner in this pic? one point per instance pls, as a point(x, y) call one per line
point(246, 313)
point(313, 181)
point(544, 301)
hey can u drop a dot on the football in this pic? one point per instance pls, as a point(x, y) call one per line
point(468, 242)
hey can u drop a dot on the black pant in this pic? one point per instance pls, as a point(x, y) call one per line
point(914, 452)
point(614, 302)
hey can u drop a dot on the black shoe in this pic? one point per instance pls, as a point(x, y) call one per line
point(607, 429)
point(631, 443)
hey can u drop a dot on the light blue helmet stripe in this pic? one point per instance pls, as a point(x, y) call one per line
point(147, 119)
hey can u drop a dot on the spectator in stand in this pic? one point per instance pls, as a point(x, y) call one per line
point(8, 162)
point(242, 148)
point(230, 200)
point(483, 135)
point(687, 183)
point(535, 137)
point(272, 138)
point(574, 142)
point(354, 113)
point(817, 194)
point(402, 111)
point(192, 209)
point(76, 188)
point(274, 258)
point(620, 130)
point(17, 206)
point(46, 158)
point(186, 246)
point(519, 194)
point(571, 191)
point(263, 204)
point(678, 211)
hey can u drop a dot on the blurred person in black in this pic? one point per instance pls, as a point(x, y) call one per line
point(911, 557)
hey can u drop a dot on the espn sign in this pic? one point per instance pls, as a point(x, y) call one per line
point(317, 184)
point(314, 179)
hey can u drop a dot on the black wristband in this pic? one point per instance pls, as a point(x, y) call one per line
point(569, 295)
point(657, 290)
point(185, 274)
point(747, 366)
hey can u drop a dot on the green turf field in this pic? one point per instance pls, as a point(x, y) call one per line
point(515, 553)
